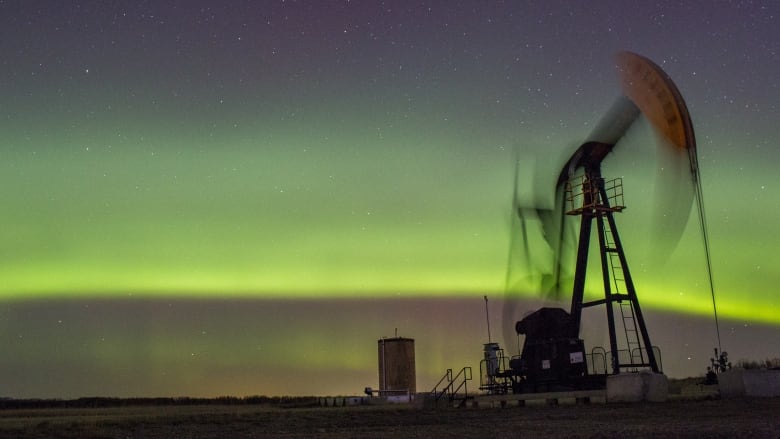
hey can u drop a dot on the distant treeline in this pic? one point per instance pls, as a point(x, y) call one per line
point(769, 363)
point(100, 402)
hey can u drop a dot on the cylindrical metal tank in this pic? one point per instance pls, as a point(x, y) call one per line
point(492, 365)
point(396, 366)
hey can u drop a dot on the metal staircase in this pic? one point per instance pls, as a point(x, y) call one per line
point(453, 387)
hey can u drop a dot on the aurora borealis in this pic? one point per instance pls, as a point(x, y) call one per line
point(257, 191)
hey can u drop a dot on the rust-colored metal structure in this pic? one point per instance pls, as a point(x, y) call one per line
point(397, 374)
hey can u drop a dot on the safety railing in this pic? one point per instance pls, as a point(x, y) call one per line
point(454, 387)
point(443, 387)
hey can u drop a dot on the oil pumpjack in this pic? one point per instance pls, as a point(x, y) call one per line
point(553, 357)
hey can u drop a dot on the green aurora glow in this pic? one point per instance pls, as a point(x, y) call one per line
point(166, 169)
point(151, 215)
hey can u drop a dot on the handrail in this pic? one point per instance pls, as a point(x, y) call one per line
point(493, 373)
point(630, 355)
point(448, 381)
point(448, 378)
point(598, 352)
point(467, 376)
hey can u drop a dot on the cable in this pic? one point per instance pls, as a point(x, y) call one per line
point(705, 238)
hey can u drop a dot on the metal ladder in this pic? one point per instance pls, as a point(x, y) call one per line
point(633, 343)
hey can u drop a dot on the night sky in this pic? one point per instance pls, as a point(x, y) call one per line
point(211, 198)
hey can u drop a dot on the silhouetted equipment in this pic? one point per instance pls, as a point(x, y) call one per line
point(396, 366)
point(553, 356)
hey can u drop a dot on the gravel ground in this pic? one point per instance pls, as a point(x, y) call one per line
point(752, 417)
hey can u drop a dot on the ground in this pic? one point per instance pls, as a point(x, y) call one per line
point(752, 417)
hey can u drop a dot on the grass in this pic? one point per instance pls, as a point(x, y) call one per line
point(726, 418)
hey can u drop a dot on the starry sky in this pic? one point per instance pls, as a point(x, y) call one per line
point(207, 198)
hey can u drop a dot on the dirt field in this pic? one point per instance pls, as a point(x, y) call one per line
point(718, 418)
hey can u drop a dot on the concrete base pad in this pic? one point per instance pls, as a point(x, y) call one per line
point(637, 387)
point(751, 382)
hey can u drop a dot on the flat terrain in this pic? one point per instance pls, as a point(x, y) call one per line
point(712, 418)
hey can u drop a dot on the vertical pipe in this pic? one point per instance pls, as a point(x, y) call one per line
point(384, 367)
point(487, 316)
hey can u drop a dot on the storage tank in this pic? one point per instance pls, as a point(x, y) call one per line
point(396, 366)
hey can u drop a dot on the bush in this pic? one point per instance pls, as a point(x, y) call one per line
point(772, 363)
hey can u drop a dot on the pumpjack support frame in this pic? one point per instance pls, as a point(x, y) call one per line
point(595, 198)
